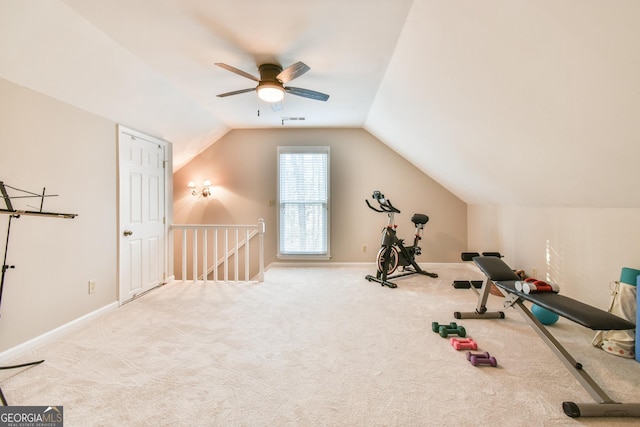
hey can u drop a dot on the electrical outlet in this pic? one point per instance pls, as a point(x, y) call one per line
point(271, 203)
point(534, 272)
point(364, 248)
point(92, 287)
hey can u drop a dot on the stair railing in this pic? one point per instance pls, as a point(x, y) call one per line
point(220, 251)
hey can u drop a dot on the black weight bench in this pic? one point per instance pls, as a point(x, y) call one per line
point(588, 316)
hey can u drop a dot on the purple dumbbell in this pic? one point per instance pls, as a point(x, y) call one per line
point(485, 355)
point(481, 359)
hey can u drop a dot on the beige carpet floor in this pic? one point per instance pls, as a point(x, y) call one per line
point(312, 347)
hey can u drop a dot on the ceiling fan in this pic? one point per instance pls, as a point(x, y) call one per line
point(271, 86)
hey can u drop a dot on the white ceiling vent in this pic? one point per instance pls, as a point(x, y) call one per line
point(285, 119)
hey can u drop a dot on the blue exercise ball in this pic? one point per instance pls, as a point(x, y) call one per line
point(545, 316)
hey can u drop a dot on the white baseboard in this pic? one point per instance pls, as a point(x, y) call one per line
point(33, 343)
point(424, 265)
point(317, 264)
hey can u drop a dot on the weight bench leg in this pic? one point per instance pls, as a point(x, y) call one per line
point(481, 309)
point(565, 357)
point(575, 410)
point(606, 407)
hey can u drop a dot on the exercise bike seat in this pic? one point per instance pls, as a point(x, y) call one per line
point(419, 219)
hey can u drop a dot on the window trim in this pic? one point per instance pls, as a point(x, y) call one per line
point(304, 149)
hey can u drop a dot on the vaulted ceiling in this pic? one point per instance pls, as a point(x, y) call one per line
point(528, 102)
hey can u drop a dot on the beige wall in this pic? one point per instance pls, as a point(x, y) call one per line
point(581, 249)
point(242, 169)
point(45, 143)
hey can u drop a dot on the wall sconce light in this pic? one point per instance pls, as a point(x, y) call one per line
point(205, 191)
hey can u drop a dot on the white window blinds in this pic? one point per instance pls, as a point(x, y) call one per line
point(303, 193)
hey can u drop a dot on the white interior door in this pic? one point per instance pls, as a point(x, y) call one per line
point(142, 213)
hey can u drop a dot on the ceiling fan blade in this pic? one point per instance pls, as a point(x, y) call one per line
point(236, 92)
point(306, 93)
point(293, 72)
point(235, 70)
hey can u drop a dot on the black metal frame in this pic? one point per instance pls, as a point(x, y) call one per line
point(13, 213)
point(605, 406)
point(394, 247)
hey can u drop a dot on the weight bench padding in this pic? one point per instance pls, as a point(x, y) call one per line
point(590, 317)
point(576, 311)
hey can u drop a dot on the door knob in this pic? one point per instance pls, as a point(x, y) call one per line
point(127, 232)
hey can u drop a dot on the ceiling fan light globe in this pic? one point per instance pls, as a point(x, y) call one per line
point(271, 93)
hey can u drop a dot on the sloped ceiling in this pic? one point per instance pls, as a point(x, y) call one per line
point(530, 102)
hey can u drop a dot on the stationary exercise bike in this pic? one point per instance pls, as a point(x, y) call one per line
point(393, 253)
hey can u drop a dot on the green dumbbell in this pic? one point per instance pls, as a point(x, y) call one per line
point(435, 326)
point(445, 331)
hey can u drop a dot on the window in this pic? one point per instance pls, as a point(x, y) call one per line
point(303, 202)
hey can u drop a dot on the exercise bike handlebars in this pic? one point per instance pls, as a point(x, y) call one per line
point(385, 205)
